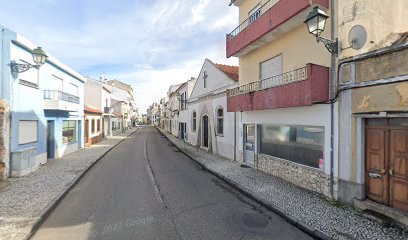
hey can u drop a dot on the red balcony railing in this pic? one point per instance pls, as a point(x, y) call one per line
point(258, 13)
point(270, 21)
point(301, 87)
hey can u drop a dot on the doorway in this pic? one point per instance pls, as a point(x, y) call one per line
point(183, 131)
point(50, 139)
point(86, 133)
point(249, 144)
point(387, 162)
point(205, 131)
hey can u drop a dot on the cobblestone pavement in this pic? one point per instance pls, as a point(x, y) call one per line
point(334, 220)
point(24, 200)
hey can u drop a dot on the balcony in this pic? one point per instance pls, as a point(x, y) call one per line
point(58, 100)
point(272, 20)
point(300, 87)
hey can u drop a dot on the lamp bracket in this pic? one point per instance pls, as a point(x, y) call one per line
point(332, 46)
point(22, 67)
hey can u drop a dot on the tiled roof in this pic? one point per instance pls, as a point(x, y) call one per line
point(231, 71)
point(91, 110)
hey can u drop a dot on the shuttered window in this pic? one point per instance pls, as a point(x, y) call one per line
point(271, 67)
point(27, 132)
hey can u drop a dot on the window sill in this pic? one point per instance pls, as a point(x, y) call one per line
point(28, 84)
point(219, 135)
point(21, 144)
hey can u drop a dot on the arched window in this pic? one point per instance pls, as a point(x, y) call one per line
point(194, 125)
point(220, 120)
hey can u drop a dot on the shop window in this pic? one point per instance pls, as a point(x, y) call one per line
point(69, 131)
point(27, 132)
point(300, 144)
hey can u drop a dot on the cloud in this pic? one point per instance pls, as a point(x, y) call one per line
point(148, 44)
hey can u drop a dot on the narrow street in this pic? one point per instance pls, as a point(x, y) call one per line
point(146, 189)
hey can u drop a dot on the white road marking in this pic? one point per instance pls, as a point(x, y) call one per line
point(150, 172)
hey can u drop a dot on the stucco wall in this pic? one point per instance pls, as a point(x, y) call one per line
point(381, 19)
point(298, 48)
point(317, 115)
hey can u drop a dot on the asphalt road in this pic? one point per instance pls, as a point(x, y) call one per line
point(146, 189)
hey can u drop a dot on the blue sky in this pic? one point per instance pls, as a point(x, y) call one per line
point(149, 44)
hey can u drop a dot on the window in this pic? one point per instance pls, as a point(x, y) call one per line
point(27, 131)
point(271, 67)
point(194, 125)
point(69, 131)
point(92, 125)
point(72, 89)
point(299, 144)
point(98, 126)
point(57, 83)
point(183, 101)
point(220, 120)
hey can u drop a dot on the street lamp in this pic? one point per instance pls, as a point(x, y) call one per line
point(316, 23)
point(39, 58)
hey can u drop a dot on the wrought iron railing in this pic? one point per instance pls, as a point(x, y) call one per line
point(296, 75)
point(59, 95)
point(254, 16)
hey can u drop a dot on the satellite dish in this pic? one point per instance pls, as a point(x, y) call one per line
point(357, 37)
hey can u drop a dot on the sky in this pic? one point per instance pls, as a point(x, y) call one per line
point(149, 44)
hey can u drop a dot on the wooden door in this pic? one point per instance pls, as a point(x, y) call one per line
point(399, 169)
point(376, 165)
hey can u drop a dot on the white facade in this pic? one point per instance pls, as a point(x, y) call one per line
point(209, 96)
point(99, 97)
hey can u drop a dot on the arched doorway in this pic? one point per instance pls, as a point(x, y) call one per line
point(205, 134)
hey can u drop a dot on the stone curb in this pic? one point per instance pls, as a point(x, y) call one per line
point(291, 219)
point(40, 217)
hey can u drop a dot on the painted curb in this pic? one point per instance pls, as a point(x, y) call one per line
point(291, 219)
point(40, 217)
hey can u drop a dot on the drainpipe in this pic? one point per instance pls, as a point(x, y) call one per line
point(332, 94)
point(235, 136)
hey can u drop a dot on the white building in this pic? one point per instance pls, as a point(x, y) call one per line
point(99, 97)
point(173, 109)
point(184, 93)
point(210, 126)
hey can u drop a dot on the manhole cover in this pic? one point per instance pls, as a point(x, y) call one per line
point(254, 220)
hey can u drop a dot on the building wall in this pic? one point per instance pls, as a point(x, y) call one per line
point(93, 96)
point(301, 175)
point(26, 157)
point(294, 53)
point(381, 19)
point(95, 136)
point(219, 144)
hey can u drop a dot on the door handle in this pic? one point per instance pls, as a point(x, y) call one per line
point(374, 175)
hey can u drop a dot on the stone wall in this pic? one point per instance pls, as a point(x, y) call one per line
point(302, 176)
point(4, 140)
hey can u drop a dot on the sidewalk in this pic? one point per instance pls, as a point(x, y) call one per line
point(25, 201)
point(310, 211)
